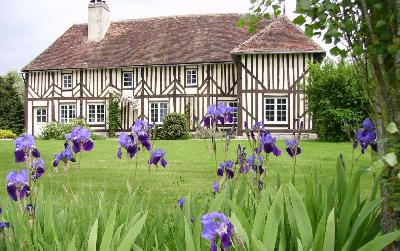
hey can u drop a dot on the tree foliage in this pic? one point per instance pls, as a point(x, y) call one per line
point(175, 126)
point(335, 98)
point(114, 115)
point(367, 31)
point(11, 103)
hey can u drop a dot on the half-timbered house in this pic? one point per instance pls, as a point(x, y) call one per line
point(171, 64)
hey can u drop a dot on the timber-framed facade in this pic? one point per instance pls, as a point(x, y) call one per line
point(261, 73)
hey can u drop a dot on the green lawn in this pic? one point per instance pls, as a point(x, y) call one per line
point(190, 168)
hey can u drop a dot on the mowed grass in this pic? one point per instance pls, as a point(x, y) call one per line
point(191, 169)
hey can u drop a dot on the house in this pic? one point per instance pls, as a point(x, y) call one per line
point(171, 64)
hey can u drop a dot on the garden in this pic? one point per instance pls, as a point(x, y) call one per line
point(73, 190)
point(138, 193)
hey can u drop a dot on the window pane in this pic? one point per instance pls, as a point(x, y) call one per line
point(191, 77)
point(270, 109)
point(281, 109)
point(128, 78)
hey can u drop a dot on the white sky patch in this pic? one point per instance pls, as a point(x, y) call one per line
point(28, 27)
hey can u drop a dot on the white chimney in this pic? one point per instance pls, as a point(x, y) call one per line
point(98, 20)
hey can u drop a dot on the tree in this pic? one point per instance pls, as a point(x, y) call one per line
point(368, 32)
point(11, 103)
point(345, 101)
point(114, 115)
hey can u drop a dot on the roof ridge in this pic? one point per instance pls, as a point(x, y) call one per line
point(253, 37)
point(170, 17)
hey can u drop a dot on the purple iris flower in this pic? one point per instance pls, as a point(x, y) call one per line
point(366, 136)
point(256, 163)
point(158, 156)
point(226, 167)
point(37, 168)
point(17, 184)
point(217, 225)
point(64, 156)
point(181, 202)
point(215, 187)
point(268, 143)
point(80, 138)
point(140, 129)
point(127, 142)
point(140, 125)
point(292, 147)
point(24, 146)
point(220, 112)
point(242, 161)
point(3, 224)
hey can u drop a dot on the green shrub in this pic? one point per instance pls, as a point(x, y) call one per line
point(156, 133)
point(335, 97)
point(11, 103)
point(175, 127)
point(56, 130)
point(7, 134)
point(114, 115)
point(53, 130)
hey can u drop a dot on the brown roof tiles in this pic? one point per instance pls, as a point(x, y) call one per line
point(279, 36)
point(167, 40)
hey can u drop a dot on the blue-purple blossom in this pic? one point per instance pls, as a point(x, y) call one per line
point(181, 202)
point(292, 147)
point(157, 156)
point(366, 136)
point(18, 184)
point(215, 187)
point(24, 147)
point(65, 156)
point(216, 226)
point(269, 144)
point(37, 168)
point(3, 224)
point(256, 163)
point(128, 142)
point(227, 168)
point(241, 160)
point(80, 138)
point(140, 130)
point(218, 113)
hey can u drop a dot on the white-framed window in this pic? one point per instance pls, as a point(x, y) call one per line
point(231, 103)
point(191, 77)
point(41, 114)
point(276, 110)
point(67, 81)
point(67, 113)
point(96, 113)
point(127, 79)
point(158, 111)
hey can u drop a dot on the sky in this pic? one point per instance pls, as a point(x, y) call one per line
point(28, 27)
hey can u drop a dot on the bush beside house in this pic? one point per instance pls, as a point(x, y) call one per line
point(175, 126)
point(11, 103)
point(335, 97)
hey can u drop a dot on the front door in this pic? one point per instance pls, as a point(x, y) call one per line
point(40, 119)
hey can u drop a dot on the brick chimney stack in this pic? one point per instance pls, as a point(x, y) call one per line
point(98, 20)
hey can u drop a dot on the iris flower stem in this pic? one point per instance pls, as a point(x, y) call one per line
point(352, 163)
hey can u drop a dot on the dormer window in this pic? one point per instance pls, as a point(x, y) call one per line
point(67, 81)
point(191, 77)
point(127, 79)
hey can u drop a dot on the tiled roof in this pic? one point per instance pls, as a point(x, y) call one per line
point(279, 36)
point(166, 40)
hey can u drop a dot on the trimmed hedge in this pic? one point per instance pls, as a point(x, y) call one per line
point(11, 103)
point(56, 130)
point(175, 126)
point(7, 134)
point(335, 97)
